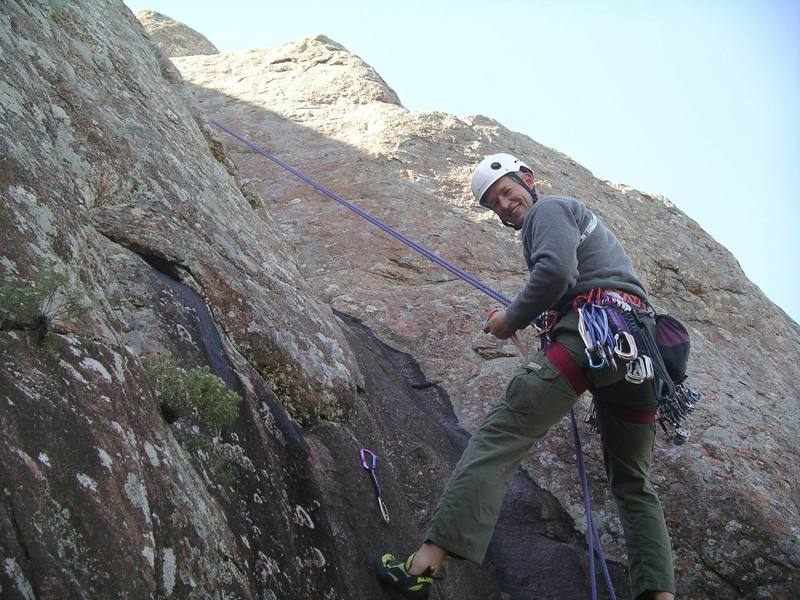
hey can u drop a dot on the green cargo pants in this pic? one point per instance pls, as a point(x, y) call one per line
point(537, 397)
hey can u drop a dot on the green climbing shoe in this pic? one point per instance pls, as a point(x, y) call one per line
point(394, 573)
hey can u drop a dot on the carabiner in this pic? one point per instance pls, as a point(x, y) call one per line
point(368, 454)
point(592, 364)
point(625, 346)
point(583, 330)
point(384, 510)
point(590, 418)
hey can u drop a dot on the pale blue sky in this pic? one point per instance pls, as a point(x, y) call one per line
point(698, 101)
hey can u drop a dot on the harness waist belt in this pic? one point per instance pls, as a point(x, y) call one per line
point(635, 301)
point(559, 356)
point(631, 299)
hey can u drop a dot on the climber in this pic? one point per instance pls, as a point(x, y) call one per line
point(570, 254)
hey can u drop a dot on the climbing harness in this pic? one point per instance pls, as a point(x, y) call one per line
point(592, 535)
point(611, 329)
point(370, 461)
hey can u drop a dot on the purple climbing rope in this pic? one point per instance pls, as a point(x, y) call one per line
point(592, 536)
point(408, 242)
point(591, 532)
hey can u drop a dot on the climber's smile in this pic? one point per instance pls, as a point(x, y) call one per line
point(510, 200)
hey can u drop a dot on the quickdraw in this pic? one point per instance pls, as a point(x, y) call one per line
point(673, 412)
point(370, 461)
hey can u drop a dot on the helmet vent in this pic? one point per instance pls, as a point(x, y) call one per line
point(495, 165)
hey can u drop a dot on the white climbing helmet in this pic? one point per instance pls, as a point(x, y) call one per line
point(492, 168)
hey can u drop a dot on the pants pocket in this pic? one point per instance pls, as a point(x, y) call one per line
point(530, 385)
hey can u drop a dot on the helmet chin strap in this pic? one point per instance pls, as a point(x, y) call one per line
point(531, 191)
point(514, 226)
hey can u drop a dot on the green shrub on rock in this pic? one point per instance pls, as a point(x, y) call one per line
point(38, 306)
point(196, 395)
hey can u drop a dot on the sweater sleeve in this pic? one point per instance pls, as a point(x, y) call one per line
point(552, 237)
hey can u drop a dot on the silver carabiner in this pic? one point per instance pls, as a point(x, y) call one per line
point(625, 346)
point(680, 436)
point(583, 331)
point(384, 510)
point(590, 418)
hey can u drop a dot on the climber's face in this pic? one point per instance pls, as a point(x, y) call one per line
point(510, 200)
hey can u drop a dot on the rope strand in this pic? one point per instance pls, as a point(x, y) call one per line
point(408, 242)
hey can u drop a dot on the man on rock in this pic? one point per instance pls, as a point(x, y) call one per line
point(570, 254)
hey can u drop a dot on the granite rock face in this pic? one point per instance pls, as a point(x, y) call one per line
point(127, 236)
point(131, 231)
point(174, 38)
point(729, 494)
point(129, 239)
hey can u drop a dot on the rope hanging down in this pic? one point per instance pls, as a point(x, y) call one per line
point(591, 531)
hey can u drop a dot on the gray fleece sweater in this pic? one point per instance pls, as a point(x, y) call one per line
point(559, 267)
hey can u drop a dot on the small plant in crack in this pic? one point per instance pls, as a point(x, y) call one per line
point(198, 398)
point(195, 395)
point(40, 306)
